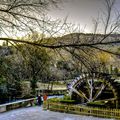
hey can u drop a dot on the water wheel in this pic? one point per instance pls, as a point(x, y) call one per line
point(95, 89)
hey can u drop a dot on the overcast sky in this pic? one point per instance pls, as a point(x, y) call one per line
point(81, 11)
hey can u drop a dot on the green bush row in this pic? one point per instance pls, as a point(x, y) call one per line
point(66, 99)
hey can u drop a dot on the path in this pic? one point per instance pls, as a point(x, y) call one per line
point(36, 113)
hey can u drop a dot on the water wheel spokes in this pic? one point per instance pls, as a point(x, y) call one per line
point(80, 93)
point(99, 91)
point(94, 89)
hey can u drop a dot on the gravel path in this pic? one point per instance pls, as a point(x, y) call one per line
point(36, 113)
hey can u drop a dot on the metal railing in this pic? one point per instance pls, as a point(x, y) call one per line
point(17, 104)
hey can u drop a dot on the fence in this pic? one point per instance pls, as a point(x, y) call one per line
point(83, 110)
point(17, 104)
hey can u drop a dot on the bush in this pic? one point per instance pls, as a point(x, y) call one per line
point(96, 104)
point(68, 101)
point(28, 96)
point(54, 99)
point(66, 97)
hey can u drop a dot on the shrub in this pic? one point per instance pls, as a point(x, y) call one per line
point(66, 97)
point(54, 99)
point(68, 101)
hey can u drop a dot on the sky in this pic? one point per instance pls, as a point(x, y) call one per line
point(81, 12)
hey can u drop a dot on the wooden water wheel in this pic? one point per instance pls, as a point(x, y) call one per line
point(95, 89)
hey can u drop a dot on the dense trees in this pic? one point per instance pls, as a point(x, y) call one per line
point(31, 64)
point(37, 63)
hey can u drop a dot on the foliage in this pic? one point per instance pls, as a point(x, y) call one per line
point(2, 80)
point(65, 100)
point(32, 65)
point(67, 97)
point(63, 65)
point(68, 101)
point(37, 62)
point(25, 89)
point(54, 99)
